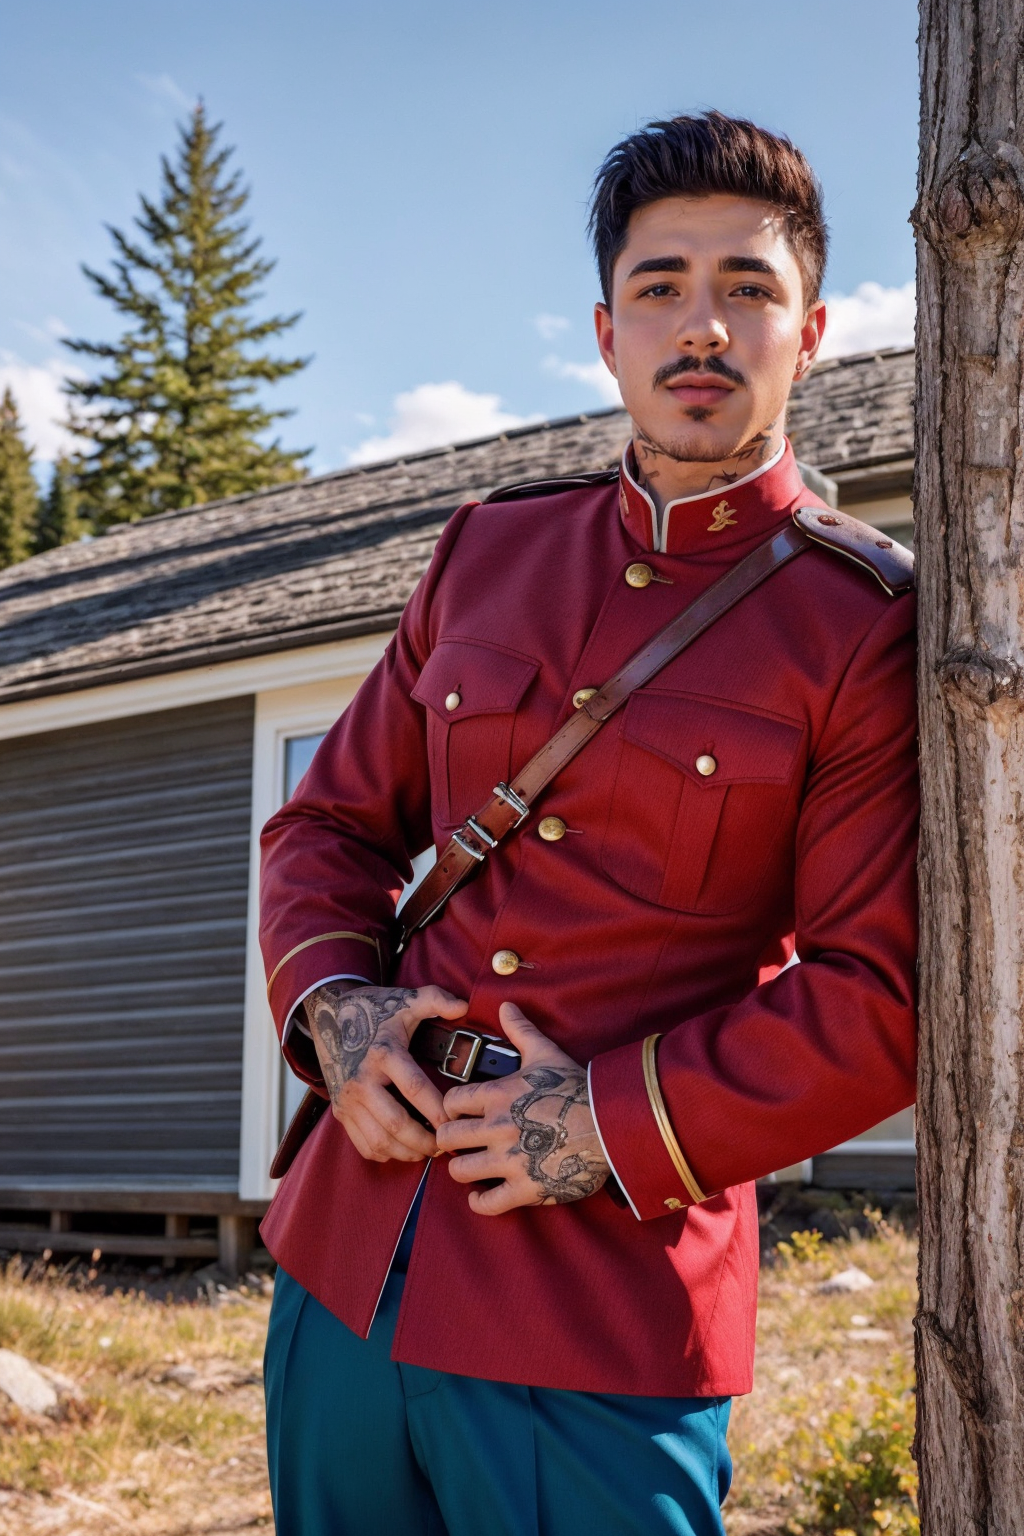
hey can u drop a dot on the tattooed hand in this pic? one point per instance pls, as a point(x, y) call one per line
point(533, 1130)
point(362, 1039)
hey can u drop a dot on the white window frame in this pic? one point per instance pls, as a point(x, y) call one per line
point(279, 714)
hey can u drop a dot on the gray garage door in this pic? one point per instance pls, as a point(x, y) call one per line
point(124, 851)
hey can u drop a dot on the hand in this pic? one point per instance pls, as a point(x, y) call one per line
point(362, 1037)
point(533, 1130)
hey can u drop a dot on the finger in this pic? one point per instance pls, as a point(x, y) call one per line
point(434, 1002)
point(471, 1167)
point(356, 1137)
point(414, 1084)
point(469, 1099)
point(526, 1037)
point(472, 1131)
point(381, 1146)
point(379, 1115)
point(501, 1198)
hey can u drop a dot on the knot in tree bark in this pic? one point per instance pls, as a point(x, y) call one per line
point(978, 208)
point(975, 681)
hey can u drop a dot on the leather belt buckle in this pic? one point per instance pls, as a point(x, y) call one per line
point(453, 1049)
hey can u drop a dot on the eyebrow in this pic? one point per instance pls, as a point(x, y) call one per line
point(681, 264)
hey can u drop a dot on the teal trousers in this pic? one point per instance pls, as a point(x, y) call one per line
point(361, 1446)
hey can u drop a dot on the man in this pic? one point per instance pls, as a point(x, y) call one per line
point(554, 1345)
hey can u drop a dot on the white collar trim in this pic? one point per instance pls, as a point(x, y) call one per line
point(661, 532)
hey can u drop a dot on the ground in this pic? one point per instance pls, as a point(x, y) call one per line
point(159, 1430)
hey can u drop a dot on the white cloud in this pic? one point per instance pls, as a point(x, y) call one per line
point(165, 88)
point(870, 317)
point(41, 405)
point(594, 375)
point(432, 415)
point(550, 326)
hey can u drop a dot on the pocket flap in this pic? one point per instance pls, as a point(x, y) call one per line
point(747, 746)
point(487, 679)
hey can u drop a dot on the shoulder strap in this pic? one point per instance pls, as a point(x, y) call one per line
point(891, 563)
point(527, 488)
point(510, 804)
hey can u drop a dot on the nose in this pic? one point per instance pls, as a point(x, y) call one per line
point(702, 329)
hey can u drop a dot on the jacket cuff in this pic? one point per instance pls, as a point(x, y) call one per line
point(341, 952)
point(639, 1140)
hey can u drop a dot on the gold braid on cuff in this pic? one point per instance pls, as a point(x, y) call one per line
point(664, 1124)
point(322, 938)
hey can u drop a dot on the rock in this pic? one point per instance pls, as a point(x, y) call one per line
point(868, 1335)
point(66, 1388)
point(213, 1376)
point(847, 1281)
point(180, 1375)
point(27, 1388)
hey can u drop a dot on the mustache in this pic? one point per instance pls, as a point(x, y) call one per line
point(710, 364)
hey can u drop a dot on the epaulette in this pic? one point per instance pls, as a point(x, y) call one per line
point(551, 487)
point(891, 563)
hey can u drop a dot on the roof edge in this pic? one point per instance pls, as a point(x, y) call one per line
point(184, 661)
point(351, 471)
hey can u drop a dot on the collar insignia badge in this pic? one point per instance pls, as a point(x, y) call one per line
point(722, 516)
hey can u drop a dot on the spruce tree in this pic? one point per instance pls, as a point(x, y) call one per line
point(172, 415)
point(57, 521)
point(19, 496)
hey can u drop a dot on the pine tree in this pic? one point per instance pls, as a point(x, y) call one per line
point(19, 496)
point(172, 415)
point(57, 521)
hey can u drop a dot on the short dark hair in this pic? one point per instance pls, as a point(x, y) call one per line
point(695, 157)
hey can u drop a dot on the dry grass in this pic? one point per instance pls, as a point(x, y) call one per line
point(141, 1450)
point(812, 1369)
point(149, 1449)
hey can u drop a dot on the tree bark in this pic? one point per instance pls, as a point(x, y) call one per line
point(969, 502)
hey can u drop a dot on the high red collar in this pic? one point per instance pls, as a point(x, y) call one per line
point(727, 515)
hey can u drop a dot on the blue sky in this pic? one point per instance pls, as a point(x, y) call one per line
point(421, 174)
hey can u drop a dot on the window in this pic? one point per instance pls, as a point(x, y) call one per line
point(298, 754)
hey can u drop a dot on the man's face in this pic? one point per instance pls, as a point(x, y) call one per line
point(707, 324)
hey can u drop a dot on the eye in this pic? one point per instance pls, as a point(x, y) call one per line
point(752, 291)
point(656, 291)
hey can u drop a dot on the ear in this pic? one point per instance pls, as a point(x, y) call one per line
point(605, 329)
point(811, 333)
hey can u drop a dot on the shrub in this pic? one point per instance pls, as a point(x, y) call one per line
point(802, 1248)
point(865, 1481)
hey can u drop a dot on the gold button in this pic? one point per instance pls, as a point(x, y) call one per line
point(639, 575)
point(505, 962)
point(453, 701)
point(581, 696)
point(672, 1204)
point(552, 829)
point(706, 765)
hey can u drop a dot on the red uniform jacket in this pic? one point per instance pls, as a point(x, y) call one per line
point(670, 905)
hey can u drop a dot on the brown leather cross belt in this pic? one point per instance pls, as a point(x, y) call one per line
point(464, 1055)
point(510, 804)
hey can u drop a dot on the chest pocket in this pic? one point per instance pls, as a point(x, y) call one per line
point(692, 841)
point(472, 690)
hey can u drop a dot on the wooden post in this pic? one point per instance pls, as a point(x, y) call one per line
point(236, 1235)
point(969, 505)
point(175, 1226)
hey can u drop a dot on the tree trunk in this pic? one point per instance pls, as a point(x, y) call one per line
point(969, 496)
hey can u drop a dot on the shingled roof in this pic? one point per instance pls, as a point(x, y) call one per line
point(339, 555)
point(853, 418)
